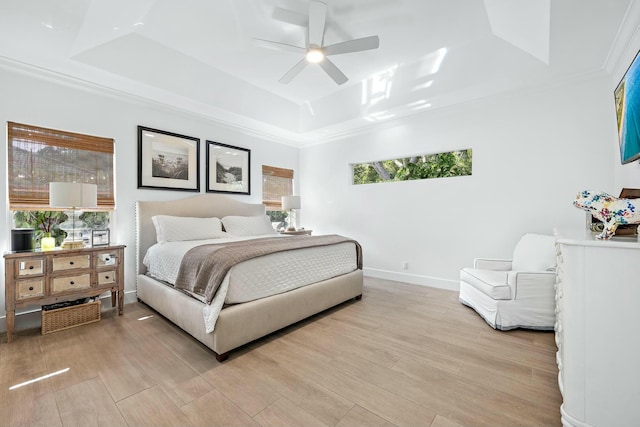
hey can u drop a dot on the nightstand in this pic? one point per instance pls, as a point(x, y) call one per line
point(46, 277)
point(297, 232)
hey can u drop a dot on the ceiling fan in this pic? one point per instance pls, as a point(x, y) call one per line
point(315, 51)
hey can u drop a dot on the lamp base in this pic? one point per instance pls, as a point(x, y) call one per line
point(290, 229)
point(76, 244)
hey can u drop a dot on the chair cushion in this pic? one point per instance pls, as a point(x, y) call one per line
point(492, 283)
point(534, 252)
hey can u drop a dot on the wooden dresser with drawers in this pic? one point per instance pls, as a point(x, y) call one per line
point(46, 277)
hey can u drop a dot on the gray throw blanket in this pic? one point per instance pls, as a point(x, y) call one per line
point(204, 267)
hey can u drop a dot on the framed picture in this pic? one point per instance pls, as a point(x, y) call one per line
point(228, 169)
point(168, 161)
point(100, 237)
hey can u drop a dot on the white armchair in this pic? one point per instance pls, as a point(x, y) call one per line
point(516, 293)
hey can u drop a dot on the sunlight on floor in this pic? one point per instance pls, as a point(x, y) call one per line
point(35, 380)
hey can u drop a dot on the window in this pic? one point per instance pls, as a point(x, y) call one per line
point(440, 165)
point(276, 182)
point(37, 156)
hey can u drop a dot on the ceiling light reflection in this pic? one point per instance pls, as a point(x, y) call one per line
point(386, 116)
point(399, 111)
point(381, 115)
point(378, 87)
point(424, 85)
point(311, 111)
point(432, 62)
point(421, 106)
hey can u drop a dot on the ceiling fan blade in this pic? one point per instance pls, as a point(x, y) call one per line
point(357, 45)
point(333, 71)
point(278, 46)
point(317, 17)
point(294, 71)
point(290, 17)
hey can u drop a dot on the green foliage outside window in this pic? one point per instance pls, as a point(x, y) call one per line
point(49, 222)
point(440, 165)
point(278, 219)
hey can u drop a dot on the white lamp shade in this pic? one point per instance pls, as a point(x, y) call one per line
point(290, 202)
point(72, 195)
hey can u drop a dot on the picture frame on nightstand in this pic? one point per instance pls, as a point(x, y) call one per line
point(100, 238)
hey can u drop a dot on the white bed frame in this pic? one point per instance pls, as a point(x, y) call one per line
point(241, 323)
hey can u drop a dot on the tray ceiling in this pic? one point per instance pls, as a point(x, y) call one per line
point(198, 55)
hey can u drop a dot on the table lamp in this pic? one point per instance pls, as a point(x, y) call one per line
point(73, 197)
point(289, 203)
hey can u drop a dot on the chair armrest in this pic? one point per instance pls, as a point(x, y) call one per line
point(492, 264)
point(532, 284)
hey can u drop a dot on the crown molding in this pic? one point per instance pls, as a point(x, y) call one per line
point(520, 92)
point(625, 44)
point(264, 131)
point(208, 113)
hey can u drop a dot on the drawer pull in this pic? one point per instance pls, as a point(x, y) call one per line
point(72, 282)
point(31, 267)
point(107, 259)
point(70, 262)
point(106, 277)
point(30, 288)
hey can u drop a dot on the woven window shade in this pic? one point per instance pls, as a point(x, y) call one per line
point(38, 156)
point(276, 182)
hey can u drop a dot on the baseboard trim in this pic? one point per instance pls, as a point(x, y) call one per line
point(414, 279)
point(33, 318)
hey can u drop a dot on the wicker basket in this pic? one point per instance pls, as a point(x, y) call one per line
point(69, 317)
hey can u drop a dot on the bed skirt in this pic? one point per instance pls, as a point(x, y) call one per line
point(242, 323)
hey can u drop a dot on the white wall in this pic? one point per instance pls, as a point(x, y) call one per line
point(48, 103)
point(532, 152)
point(625, 175)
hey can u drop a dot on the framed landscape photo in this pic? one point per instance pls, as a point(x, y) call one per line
point(228, 169)
point(168, 161)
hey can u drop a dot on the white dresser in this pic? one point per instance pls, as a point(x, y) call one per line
point(598, 329)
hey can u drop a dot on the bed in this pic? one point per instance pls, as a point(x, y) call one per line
point(239, 323)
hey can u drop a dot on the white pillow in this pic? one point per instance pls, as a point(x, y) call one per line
point(248, 225)
point(179, 228)
point(534, 252)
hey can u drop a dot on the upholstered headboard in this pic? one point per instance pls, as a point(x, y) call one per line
point(202, 206)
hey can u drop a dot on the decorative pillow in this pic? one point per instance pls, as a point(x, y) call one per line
point(179, 228)
point(534, 252)
point(248, 225)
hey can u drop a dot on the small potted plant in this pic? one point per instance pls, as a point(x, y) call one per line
point(45, 222)
point(47, 242)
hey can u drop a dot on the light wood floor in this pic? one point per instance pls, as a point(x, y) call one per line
point(404, 355)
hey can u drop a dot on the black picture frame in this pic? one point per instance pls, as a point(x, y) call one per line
point(167, 160)
point(100, 238)
point(228, 169)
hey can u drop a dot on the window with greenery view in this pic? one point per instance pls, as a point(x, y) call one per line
point(276, 182)
point(38, 156)
point(439, 165)
point(48, 222)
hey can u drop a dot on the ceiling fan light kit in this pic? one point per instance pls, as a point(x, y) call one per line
point(315, 55)
point(315, 52)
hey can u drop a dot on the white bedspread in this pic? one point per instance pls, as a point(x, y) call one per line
point(256, 278)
